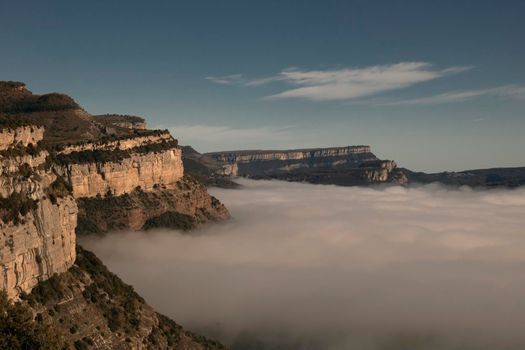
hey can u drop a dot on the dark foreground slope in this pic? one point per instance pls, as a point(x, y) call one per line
point(88, 307)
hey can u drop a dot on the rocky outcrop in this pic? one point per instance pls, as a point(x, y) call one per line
point(54, 156)
point(143, 170)
point(23, 135)
point(351, 165)
point(186, 206)
point(40, 245)
point(38, 218)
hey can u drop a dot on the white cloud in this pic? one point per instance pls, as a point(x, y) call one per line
point(324, 267)
point(349, 83)
point(227, 79)
point(506, 91)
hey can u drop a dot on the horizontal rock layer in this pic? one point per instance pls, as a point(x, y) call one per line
point(144, 170)
point(352, 165)
point(261, 155)
point(121, 144)
point(184, 206)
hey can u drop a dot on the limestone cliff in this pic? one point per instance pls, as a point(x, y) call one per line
point(60, 166)
point(39, 216)
point(21, 135)
point(299, 154)
point(135, 183)
point(351, 165)
point(139, 169)
point(186, 206)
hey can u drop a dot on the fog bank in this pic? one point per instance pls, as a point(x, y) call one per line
point(323, 267)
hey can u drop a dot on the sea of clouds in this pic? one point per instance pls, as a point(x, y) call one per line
point(322, 267)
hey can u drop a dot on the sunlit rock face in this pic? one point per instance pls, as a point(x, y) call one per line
point(123, 176)
point(24, 135)
point(38, 217)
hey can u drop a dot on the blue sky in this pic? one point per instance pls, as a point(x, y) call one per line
point(434, 85)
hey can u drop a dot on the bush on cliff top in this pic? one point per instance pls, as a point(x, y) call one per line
point(16, 206)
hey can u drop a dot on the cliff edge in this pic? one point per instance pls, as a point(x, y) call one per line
point(63, 172)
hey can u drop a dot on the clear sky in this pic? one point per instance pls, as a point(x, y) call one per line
point(434, 85)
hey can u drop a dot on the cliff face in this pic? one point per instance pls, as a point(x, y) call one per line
point(300, 154)
point(352, 165)
point(135, 183)
point(38, 217)
point(60, 166)
point(186, 206)
point(144, 170)
point(22, 135)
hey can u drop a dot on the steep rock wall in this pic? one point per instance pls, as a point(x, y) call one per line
point(352, 165)
point(41, 245)
point(185, 206)
point(144, 170)
point(269, 163)
point(37, 223)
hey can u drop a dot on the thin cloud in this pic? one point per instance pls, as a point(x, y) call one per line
point(312, 267)
point(349, 83)
point(227, 79)
point(506, 91)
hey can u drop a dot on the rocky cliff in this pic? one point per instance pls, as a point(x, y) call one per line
point(60, 166)
point(94, 176)
point(351, 165)
point(39, 215)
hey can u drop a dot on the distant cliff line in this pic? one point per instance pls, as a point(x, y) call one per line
point(250, 155)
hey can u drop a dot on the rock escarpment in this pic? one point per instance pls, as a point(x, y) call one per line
point(186, 206)
point(351, 165)
point(94, 176)
point(39, 215)
point(60, 166)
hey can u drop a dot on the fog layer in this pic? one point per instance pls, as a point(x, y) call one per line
point(323, 267)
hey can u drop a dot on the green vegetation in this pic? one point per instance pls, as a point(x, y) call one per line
point(18, 329)
point(19, 150)
point(105, 139)
point(15, 207)
point(12, 122)
point(60, 188)
point(115, 118)
point(118, 302)
point(170, 219)
point(13, 101)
